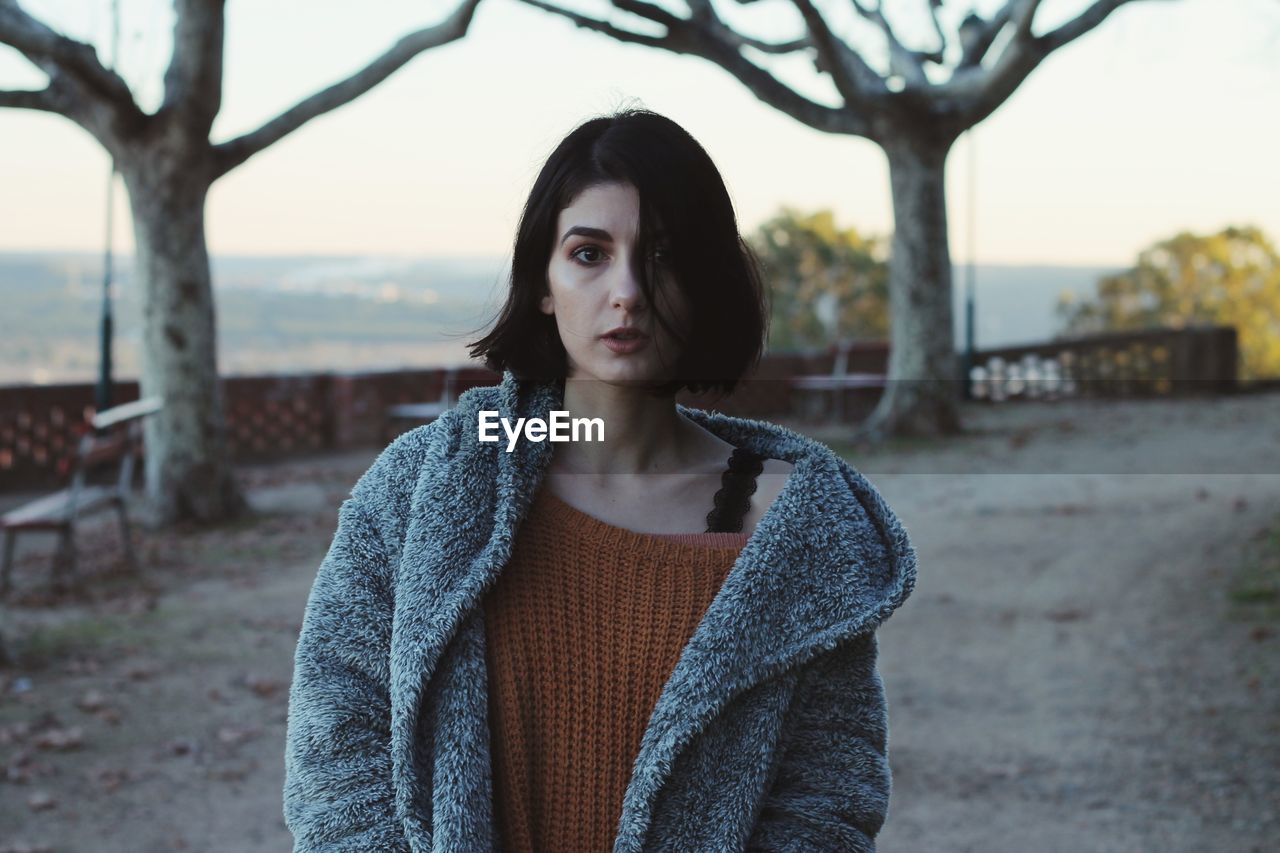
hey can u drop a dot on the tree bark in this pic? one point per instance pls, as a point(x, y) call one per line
point(922, 396)
point(189, 473)
point(168, 164)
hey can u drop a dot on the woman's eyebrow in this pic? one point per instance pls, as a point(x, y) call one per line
point(596, 233)
point(586, 231)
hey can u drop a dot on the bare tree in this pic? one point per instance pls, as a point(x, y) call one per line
point(914, 109)
point(168, 164)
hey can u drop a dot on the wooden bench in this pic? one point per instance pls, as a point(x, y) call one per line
point(422, 413)
point(832, 386)
point(112, 438)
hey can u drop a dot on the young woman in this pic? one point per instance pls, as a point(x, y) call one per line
point(657, 637)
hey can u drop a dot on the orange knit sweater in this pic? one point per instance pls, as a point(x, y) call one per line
point(583, 629)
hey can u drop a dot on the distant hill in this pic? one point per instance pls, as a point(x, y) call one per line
point(1014, 304)
point(300, 314)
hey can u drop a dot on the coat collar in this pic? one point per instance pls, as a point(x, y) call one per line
point(828, 561)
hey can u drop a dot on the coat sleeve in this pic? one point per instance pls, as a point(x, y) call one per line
point(338, 792)
point(831, 788)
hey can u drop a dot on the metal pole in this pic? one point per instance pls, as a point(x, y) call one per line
point(970, 285)
point(102, 397)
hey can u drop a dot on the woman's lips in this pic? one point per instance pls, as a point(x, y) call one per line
point(624, 345)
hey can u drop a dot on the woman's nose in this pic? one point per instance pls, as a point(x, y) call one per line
point(625, 289)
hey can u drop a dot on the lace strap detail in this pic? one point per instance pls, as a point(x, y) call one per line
point(738, 484)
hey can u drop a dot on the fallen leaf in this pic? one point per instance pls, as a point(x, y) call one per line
point(20, 768)
point(41, 801)
point(263, 686)
point(109, 715)
point(22, 847)
point(71, 737)
point(234, 735)
point(91, 701)
point(110, 778)
point(183, 746)
point(1069, 614)
point(140, 671)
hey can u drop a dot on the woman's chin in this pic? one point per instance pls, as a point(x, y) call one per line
point(624, 375)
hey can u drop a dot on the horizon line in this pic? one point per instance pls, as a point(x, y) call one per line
point(504, 258)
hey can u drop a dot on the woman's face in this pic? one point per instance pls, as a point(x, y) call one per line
point(594, 289)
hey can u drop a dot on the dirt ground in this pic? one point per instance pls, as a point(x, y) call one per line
point(1088, 662)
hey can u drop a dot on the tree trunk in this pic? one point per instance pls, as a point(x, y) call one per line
point(923, 391)
point(189, 475)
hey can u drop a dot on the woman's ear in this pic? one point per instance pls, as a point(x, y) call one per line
point(547, 305)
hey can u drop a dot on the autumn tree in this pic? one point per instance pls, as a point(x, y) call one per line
point(168, 164)
point(912, 101)
point(809, 261)
point(1230, 278)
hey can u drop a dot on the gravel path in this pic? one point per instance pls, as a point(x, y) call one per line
point(1070, 674)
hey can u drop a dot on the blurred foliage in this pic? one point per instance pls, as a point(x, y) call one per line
point(817, 272)
point(1230, 278)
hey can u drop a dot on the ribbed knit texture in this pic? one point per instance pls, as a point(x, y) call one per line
point(584, 628)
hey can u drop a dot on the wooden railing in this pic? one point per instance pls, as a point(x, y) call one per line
point(273, 416)
point(1158, 362)
point(267, 416)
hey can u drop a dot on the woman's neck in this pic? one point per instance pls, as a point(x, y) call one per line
point(643, 434)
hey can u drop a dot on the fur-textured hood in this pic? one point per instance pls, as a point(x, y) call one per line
point(825, 566)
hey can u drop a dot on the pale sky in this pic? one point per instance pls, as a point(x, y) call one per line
point(1164, 118)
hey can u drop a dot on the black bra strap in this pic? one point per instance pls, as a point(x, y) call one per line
point(734, 498)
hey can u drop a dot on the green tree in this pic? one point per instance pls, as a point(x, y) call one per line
point(1230, 278)
point(820, 276)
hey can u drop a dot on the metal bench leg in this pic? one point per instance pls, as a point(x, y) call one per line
point(125, 533)
point(10, 539)
point(64, 560)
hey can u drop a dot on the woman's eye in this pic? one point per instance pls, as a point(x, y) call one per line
point(659, 255)
point(576, 255)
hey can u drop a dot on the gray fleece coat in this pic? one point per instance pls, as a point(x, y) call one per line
point(770, 734)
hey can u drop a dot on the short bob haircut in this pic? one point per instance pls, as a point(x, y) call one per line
point(685, 209)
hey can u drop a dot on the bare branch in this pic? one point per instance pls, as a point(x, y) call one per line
point(975, 51)
point(1018, 59)
point(1078, 26)
point(934, 5)
point(723, 50)
point(193, 81)
point(1026, 14)
point(856, 82)
point(771, 47)
point(976, 94)
point(56, 54)
point(664, 42)
point(30, 99)
point(653, 13)
point(704, 15)
point(704, 35)
point(232, 153)
point(905, 63)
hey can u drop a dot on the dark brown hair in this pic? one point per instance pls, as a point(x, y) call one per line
point(683, 197)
